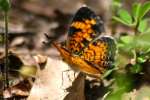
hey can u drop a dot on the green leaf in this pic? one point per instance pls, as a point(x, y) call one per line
point(137, 68)
point(116, 95)
point(116, 3)
point(147, 31)
point(120, 20)
point(143, 26)
point(121, 78)
point(136, 11)
point(5, 5)
point(125, 16)
point(126, 39)
point(147, 52)
point(119, 1)
point(28, 71)
point(107, 73)
point(141, 59)
point(120, 45)
point(122, 60)
point(144, 9)
point(142, 42)
point(123, 83)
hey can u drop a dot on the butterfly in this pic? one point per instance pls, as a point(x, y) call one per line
point(86, 50)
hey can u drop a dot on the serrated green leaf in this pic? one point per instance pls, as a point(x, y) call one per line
point(142, 26)
point(144, 9)
point(125, 16)
point(136, 11)
point(5, 5)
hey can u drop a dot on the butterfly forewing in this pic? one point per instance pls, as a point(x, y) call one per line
point(84, 28)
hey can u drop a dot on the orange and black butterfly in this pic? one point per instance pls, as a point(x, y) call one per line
point(85, 49)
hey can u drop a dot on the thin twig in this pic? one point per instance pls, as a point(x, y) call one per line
point(6, 51)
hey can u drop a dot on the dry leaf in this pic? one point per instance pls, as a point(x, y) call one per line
point(48, 85)
point(20, 89)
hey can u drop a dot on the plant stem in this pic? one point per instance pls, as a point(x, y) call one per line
point(6, 85)
point(136, 29)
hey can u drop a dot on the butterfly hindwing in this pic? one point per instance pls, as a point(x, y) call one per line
point(100, 52)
